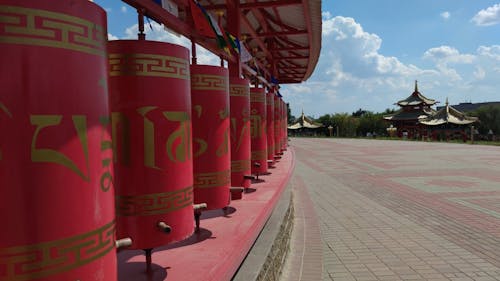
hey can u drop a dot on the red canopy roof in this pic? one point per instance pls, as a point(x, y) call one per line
point(283, 35)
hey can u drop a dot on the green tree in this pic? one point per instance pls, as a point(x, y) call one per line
point(290, 117)
point(347, 124)
point(489, 119)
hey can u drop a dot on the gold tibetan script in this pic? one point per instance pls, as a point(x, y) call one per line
point(53, 156)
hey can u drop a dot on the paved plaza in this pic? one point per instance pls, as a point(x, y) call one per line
point(395, 210)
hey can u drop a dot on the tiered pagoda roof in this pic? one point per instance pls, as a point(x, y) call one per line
point(416, 98)
point(414, 107)
point(446, 115)
point(411, 115)
point(304, 122)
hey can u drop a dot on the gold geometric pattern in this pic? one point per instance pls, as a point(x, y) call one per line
point(148, 65)
point(50, 29)
point(209, 82)
point(259, 155)
point(238, 91)
point(204, 180)
point(154, 203)
point(48, 258)
point(240, 165)
point(257, 97)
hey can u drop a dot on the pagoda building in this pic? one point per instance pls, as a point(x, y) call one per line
point(413, 109)
point(448, 123)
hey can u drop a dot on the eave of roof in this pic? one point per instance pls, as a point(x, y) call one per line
point(284, 36)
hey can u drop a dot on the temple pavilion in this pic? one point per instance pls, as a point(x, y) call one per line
point(304, 126)
point(413, 108)
point(417, 119)
point(448, 123)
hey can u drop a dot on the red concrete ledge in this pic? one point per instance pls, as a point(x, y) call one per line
point(216, 252)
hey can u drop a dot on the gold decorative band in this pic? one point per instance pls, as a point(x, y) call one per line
point(238, 90)
point(208, 82)
point(214, 179)
point(48, 258)
point(259, 155)
point(240, 165)
point(257, 97)
point(148, 65)
point(36, 27)
point(154, 203)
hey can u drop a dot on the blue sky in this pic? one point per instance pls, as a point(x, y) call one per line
point(372, 51)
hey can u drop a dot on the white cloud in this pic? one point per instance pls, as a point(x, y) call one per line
point(447, 54)
point(445, 15)
point(491, 51)
point(488, 16)
point(352, 73)
point(123, 9)
point(112, 37)
point(158, 33)
point(479, 73)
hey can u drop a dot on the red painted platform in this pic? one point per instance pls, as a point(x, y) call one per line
point(216, 252)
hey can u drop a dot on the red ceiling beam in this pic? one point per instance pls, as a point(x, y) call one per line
point(269, 4)
point(154, 11)
point(282, 33)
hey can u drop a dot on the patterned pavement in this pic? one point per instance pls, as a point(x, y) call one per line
point(393, 210)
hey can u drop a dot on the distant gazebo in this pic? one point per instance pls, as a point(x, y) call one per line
point(304, 126)
point(448, 123)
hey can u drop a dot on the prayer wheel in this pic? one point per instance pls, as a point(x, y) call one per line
point(56, 173)
point(258, 132)
point(277, 125)
point(151, 128)
point(239, 96)
point(284, 117)
point(211, 144)
point(270, 125)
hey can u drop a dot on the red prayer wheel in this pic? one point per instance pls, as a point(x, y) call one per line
point(270, 125)
point(56, 173)
point(151, 127)
point(277, 125)
point(239, 96)
point(258, 133)
point(285, 126)
point(211, 144)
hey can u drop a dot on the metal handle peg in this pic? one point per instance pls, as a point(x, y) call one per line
point(164, 227)
point(125, 242)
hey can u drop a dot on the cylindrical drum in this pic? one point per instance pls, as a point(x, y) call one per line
point(277, 125)
point(284, 128)
point(56, 174)
point(270, 125)
point(239, 95)
point(151, 127)
point(258, 130)
point(211, 144)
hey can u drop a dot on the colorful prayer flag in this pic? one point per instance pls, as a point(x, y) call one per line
point(201, 20)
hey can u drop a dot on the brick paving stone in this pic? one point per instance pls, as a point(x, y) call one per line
point(393, 210)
